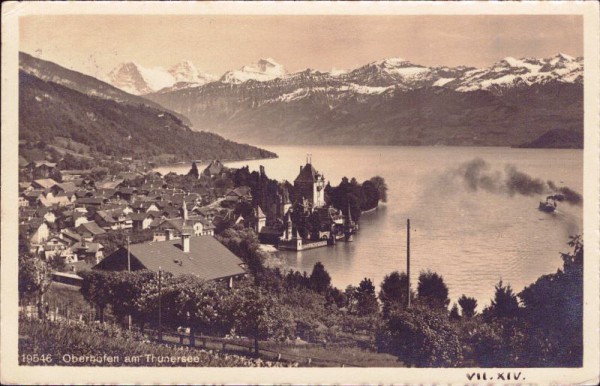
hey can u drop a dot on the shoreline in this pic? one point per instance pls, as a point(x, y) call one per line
point(224, 161)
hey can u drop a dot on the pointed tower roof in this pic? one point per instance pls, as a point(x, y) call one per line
point(259, 212)
point(307, 174)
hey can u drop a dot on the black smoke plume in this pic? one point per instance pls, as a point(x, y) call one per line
point(476, 174)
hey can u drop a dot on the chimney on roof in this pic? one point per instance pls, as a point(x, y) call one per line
point(185, 241)
point(169, 233)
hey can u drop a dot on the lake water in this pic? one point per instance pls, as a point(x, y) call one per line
point(472, 238)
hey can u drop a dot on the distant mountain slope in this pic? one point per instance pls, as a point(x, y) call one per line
point(82, 83)
point(48, 110)
point(392, 101)
point(557, 139)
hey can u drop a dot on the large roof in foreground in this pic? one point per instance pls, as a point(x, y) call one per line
point(208, 258)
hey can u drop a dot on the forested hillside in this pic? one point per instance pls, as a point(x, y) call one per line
point(48, 110)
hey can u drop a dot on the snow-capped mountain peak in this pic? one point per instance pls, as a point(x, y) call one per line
point(263, 70)
point(511, 72)
point(137, 79)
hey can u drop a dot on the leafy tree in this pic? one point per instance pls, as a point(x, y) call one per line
point(553, 308)
point(337, 297)
point(243, 243)
point(347, 195)
point(112, 240)
point(258, 314)
point(319, 278)
point(498, 343)
point(34, 278)
point(371, 195)
point(381, 187)
point(422, 337)
point(432, 290)
point(97, 288)
point(454, 315)
point(146, 305)
point(366, 300)
point(393, 292)
point(192, 302)
point(468, 306)
point(127, 288)
point(504, 305)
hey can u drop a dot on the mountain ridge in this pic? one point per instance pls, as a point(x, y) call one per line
point(394, 101)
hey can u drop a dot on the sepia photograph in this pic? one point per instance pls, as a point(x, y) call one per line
point(403, 191)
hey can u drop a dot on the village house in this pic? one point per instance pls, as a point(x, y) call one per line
point(113, 219)
point(44, 169)
point(43, 184)
point(90, 252)
point(35, 230)
point(174, 227)
point(89, 230)
point(143, 220)
point(59, 248)
point(126, 193)
point(112, 184)
point(63, 187)
point(22, 202)
point(201, 256)
point(214, 169)
point(50, 199)
point(71, 236)
point(94, 202)
point(239, 194)
point(208, 213)
point(144, 206)
point(32, 196)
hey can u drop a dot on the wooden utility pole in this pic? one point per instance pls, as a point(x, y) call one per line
point(159, 304)
point(128, 270)
point(408, 263)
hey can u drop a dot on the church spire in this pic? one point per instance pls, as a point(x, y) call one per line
point(184, 211)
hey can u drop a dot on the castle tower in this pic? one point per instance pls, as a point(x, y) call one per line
point(310, 184)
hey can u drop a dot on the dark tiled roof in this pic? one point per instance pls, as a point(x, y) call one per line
point(67, 186)
point(142, 216)
point(90, 227)
point(90, 201)
point(307, 174)
point(45, 183)
point(71, 234)
point(33, 193)
point(240, 191)
point(215, 167)
point(207, 259)
point(43, 163)
point(87, 247)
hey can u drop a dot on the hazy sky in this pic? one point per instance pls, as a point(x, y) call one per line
point(95, 44)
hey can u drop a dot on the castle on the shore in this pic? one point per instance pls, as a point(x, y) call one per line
point(310, 223)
